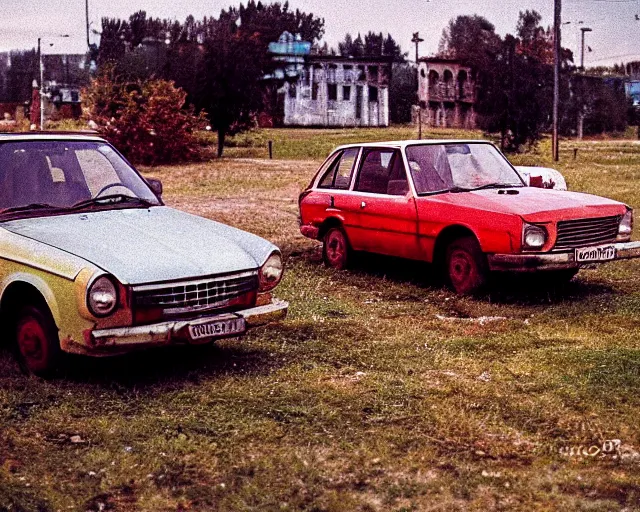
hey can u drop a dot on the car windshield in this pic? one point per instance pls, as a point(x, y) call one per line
point(459, 167)
point(63, 175)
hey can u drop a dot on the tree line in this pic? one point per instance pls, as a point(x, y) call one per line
point(514, 81)
point(219, 63)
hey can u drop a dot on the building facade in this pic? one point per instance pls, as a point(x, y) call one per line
point(337, 91)
point(332, 91)
point(446, 93)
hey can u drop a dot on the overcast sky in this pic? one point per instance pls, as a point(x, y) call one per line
point(615, 36)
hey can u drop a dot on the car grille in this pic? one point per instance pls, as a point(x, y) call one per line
point(584, 232)
point(196, 295)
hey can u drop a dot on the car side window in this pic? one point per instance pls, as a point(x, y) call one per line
point(345, 168)
point(339, 173)
point(328, 172)
point(382, 172)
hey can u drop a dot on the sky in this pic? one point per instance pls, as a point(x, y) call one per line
point(615, 37)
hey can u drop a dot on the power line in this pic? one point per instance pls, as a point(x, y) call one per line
point(591, 61)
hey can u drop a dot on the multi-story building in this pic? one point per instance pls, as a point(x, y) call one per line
point(446, 93)
point(325, 90)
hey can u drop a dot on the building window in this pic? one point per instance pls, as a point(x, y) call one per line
point(362, 75)
point(292, 90)
point(346, 93)
point(373, 73)
point(332, 92)
point(373, 94)
point(332, 72)
point(314, 91)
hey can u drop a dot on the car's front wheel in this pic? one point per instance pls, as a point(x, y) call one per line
point(335, 249)
point(37, 341)
point(466, 266)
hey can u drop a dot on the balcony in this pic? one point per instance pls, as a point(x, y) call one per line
point(450, 91)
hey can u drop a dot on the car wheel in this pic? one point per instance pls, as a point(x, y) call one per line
point(466, 266)
point(38, 345)
point(335, 249)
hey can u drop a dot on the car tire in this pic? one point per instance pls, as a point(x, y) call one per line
point(466, 266)
point(336, 251)
point(37, 342)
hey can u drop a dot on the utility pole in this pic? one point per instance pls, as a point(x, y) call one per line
point(86, 10)
point(41, 64)
point(557, 22)
point(416, 40)
point(41, 91)
point(583, 30)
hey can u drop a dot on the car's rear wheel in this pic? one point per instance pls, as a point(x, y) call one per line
point(466, 266)
point(336, 251)
point(38, 345)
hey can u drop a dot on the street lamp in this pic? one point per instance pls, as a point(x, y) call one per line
point(41, 64)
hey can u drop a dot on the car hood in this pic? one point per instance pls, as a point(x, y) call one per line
point(535, 204)
point(148, 245)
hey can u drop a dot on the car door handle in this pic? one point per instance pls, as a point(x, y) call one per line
point(363, 205)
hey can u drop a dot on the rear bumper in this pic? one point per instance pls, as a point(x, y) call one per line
point(554, 261)
point(123, 339)
point(310, 231)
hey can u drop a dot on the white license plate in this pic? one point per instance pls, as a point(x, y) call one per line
point(600, 253)
point(217, 328)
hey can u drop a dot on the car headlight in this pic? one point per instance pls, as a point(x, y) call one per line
point(626, 226)
point(533, 237)
point(270, 273)
point(102, 297)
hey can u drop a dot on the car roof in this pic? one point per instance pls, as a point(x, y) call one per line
point(405, 143)
point(50, 136)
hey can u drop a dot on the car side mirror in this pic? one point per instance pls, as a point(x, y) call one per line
point(156, 186)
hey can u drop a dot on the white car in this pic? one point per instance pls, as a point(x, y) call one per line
point(542, 177)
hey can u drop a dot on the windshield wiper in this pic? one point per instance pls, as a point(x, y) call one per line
point(112, 199)
point(497, 185)
point(27, 207)
point(459, 189)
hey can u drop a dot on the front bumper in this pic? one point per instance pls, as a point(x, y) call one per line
point(554, 261)
point(122, 339)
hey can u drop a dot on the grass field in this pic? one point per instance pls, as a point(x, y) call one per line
point(381, 391)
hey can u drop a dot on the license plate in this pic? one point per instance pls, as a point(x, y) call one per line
point(600, 253)
point(217, 328)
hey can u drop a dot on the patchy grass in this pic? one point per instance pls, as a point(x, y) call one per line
point(379, 392)
point(316, 143)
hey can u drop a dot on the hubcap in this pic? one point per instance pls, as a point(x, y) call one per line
point(32, 342)
point(335, 247)
point(460, 267)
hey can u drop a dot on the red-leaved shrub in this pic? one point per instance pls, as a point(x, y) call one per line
point(147, 121)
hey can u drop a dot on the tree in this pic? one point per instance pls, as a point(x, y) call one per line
point(472, 40)
point(21, 74)
point(513, 76)
point(219, 62)
point(534, 42)
point(403, 92)
point(229, 81)
point(374, 45)
point(112, 40)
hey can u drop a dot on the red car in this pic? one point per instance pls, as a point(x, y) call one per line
point(460, 205)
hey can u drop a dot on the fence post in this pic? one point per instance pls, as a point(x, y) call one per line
point(270, 150)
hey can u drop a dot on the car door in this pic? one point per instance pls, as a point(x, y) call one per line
point(332, 197)
point(387, 216)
